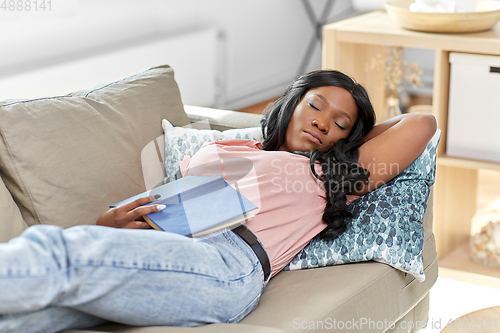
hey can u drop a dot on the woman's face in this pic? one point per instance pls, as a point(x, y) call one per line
point(323, 116)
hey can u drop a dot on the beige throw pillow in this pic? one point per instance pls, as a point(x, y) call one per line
point(11, 222)
point(65, 159)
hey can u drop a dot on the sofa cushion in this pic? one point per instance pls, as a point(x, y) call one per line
point(66, 158)
point(387, 223)
point(302, 300)
point(11, 221)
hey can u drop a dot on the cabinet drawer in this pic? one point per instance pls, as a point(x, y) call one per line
point(474, 107)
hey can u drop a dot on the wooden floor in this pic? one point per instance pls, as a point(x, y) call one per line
point(258, 108)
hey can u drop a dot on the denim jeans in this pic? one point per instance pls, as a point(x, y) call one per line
point(53, 279)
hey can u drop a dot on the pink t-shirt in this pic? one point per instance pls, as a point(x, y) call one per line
point(291, 200)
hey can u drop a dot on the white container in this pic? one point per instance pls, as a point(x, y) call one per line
point(474, 107)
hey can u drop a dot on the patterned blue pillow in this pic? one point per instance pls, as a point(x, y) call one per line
point(386, 225)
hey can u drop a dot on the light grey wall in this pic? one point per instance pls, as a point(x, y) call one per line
point(264, 41)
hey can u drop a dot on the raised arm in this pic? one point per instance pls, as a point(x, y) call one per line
point(393, 145)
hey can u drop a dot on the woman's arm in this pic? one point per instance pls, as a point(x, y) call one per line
point(393, 145)
point(129, 216)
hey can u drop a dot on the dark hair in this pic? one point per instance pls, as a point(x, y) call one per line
point(341, 173)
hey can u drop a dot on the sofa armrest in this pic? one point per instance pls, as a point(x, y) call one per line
point(222, 120)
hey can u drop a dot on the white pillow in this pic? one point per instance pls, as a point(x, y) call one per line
point(182, 141)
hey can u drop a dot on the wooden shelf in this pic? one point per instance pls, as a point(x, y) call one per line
point(459, 259)
point(377, 28)
point(467, 163)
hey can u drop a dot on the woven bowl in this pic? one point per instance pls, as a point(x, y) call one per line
point(486, 15)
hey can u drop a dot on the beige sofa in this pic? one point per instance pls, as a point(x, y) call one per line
point(64, 159)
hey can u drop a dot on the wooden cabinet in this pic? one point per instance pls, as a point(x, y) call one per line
point(350, 44)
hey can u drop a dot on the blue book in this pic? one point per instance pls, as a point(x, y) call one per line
point(196, 206)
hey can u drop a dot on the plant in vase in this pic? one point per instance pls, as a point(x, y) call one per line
point(396, 70)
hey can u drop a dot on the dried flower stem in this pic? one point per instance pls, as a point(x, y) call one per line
point(396, 70)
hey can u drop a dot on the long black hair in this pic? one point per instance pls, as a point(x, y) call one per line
point(341, 173)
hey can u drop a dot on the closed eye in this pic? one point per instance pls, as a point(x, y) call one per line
point(311, 105)
point(341, 127)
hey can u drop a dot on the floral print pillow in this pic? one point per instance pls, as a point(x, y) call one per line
point(386, 225)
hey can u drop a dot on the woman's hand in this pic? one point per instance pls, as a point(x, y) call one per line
point(129, 216)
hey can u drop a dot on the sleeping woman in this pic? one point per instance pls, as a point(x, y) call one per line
point(320, 147)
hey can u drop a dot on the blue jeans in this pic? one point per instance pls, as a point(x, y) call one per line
point(53, 279)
